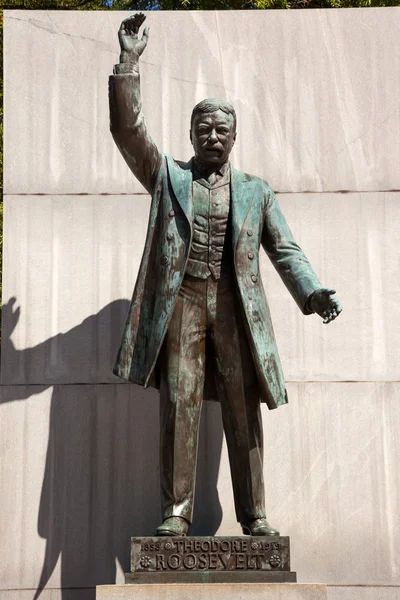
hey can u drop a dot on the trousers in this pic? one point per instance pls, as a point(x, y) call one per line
point(207, 317)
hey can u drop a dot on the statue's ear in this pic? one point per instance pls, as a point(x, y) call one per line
point(190, 135)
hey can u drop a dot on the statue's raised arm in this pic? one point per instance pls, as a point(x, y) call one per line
point(127, 122)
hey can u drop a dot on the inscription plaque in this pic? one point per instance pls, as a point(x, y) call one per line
point(208, 558)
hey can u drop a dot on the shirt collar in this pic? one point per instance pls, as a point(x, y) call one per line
point(205, 172)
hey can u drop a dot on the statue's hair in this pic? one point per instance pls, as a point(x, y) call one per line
point(211, 105)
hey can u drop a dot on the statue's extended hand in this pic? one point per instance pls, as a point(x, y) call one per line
point(131, 46)
point(327, 307)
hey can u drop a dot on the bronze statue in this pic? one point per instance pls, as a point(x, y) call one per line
point(199, 324)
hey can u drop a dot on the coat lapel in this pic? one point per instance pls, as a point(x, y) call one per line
point(181, 181)
point(242, 192)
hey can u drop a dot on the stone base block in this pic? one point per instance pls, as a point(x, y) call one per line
point(216, 591)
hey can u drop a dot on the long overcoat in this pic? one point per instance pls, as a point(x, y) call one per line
point(256, 220)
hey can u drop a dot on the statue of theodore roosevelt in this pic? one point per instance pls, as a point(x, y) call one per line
point(199, 324)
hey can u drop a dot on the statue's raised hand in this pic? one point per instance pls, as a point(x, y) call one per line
point(327, 307)
point(131, 46)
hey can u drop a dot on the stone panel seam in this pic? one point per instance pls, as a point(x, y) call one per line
point(363, 585)
point(83, 383)
point(34, 589)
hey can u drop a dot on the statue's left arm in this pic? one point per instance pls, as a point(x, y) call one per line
point(293, 266)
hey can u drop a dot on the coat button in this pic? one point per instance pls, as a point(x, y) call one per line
point(250, 297)
point(214, 192)
point(249, 232)
point(170, 236)
point(254, 278)
point(171, 213)
point(250, 255)
point(164, 260)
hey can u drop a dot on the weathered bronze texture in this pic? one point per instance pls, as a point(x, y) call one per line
point(199, 324)
point(218, 559)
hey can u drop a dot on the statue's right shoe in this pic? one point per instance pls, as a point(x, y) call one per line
point(173, 526)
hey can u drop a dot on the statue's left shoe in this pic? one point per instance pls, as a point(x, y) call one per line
point(258, 527)
point(173, 526)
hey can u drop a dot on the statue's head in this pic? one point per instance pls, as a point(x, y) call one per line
point(213, 131)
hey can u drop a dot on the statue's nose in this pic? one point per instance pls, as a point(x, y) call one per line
point(213, 136)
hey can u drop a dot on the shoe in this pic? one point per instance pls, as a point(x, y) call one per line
point(258, 527)
point(173, 526)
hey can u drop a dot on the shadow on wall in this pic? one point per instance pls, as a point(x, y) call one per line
point(101, 481)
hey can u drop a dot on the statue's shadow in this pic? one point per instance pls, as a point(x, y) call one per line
point(101, 479)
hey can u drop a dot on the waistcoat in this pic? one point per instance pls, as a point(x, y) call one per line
point(211, 253)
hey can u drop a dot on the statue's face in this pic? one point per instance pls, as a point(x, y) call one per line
point(213, 135)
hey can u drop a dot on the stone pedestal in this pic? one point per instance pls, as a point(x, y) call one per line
point(210, 560)
point(214, 591)
point(221, 568)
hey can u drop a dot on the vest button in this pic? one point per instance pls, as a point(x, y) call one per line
point(164, 260)
point(170, 237)
point(249, 232)
point(213, 262)
point(213, 219)
point(171, 213)
point(250, 297)
point(250, 255)
point(254, 278)
point(214, 192)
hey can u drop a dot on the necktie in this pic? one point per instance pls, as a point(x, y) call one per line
point(212, 178)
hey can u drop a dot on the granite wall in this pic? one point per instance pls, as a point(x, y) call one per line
point(316, 94)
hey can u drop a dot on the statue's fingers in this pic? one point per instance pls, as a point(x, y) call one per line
point(335, 307)
point(338, 307)
point(145, 35)
point(123, 30)
point(330, 316)
point(126, 22)
point(330, 291)
point(140, 18)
